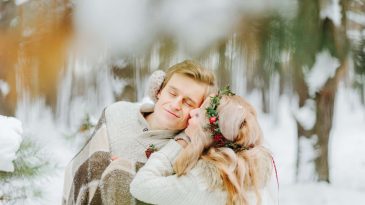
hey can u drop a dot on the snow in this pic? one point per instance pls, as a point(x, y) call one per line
point(28, 32)
point(356, 33)
point(85, 87)
point(193, 24)
point(320, 194)
point(280, 135)
point(307, 154)
point(347, 155)
point(20, 2)
point(356, 17)
point(10, 139)
point(324, 68)
point(348, 141)
point(129, 37)
point(332, 11)
point(306, 115)
point(4, 87)
point(40, 125)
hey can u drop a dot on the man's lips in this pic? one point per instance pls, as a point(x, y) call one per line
point(172, 113)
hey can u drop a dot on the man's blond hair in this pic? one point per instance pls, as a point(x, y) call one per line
point(194, 71)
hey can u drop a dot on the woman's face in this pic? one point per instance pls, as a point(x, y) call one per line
point(197, 119)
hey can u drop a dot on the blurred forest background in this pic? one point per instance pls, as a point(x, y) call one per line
point(72, 58)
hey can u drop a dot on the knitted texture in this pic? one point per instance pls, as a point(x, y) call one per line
point(128, 131)
point(156, 184)
point(154, 84)
point(122, 131)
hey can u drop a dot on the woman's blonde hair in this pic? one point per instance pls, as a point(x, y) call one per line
point(246, 170)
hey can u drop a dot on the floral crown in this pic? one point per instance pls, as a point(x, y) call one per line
point(218, 139)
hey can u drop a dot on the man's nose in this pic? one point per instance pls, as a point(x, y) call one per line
point(176, 104)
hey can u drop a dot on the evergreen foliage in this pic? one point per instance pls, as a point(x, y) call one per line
point(30, 165)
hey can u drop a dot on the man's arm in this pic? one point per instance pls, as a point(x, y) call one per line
point(114, 183)
point(87, 165)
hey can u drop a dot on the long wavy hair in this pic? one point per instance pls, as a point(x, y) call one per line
point(241, 172)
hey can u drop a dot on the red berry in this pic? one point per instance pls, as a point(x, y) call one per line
point(148, 153)
point(212, 119)
point(151, 149)
point(217, 138)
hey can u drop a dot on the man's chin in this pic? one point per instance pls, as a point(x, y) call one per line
point(173, 127)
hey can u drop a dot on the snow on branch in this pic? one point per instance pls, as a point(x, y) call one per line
point(323, 69)
point(10, 138)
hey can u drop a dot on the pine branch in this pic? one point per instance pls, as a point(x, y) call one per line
point(31, 164)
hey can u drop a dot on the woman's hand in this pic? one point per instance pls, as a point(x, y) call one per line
point(183, 139)
point(182, 142)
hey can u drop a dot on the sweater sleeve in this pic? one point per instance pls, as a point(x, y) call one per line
point(155, 182)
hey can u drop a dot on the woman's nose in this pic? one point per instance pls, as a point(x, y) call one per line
point(193, 112)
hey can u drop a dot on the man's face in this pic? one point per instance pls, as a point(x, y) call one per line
point(180, 95)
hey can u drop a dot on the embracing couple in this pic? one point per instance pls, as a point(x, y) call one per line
point(194, 145)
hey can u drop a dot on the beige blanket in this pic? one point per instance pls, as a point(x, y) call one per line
point(93, 178)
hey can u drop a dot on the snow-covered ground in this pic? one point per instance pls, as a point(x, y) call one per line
point(347, 155)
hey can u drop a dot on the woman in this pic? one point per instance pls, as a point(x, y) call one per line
point(225, 162)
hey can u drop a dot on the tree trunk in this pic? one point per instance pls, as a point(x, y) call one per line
point(333, 39)
point(325, 101)
point(302, 91)
point(128, 74)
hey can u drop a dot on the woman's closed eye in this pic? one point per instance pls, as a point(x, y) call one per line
point(172, 93)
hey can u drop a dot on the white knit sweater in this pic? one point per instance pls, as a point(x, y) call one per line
point(156, 183)
point(129, 133)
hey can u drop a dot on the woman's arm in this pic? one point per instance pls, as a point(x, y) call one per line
point(155, 182)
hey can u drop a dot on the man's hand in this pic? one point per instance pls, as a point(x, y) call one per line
point(114, 158)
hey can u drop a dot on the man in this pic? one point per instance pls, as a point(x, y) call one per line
point(126, 130)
